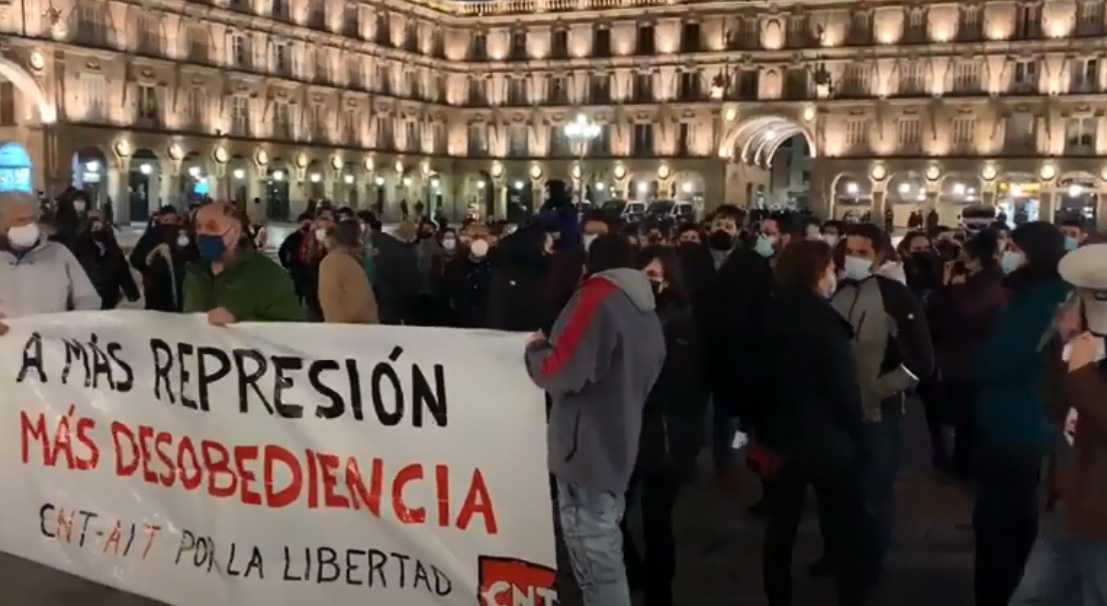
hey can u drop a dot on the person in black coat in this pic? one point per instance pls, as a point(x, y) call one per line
point(396, 281)
point(672, 429)
point(729, 284)
point(466, 283)
point(809, 432)
point(99, 254)
point(517, 299)
point(160, 257)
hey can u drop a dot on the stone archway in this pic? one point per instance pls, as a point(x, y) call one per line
point(756, 139)
point(27, 85)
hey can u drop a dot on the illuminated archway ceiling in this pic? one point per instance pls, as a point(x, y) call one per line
point(758, 138)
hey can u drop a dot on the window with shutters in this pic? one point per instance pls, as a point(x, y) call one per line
point(857, 133)
point(240, 116)
point(909, 134)
point(196, 107)
point(964, 131)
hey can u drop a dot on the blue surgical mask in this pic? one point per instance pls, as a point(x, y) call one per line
point(857, 268)
point(1010, 261)
point(1071, 244)
point(764, 246)
point(211, 247)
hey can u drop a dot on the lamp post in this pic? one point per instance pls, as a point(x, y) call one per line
point(583, 131)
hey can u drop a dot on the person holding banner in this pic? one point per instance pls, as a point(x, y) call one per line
point(233, 282)
point(37, 275)
point(599, 364)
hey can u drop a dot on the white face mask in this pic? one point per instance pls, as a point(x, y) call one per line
point(479, 248)
point(182, 240)
point(24, 236)
point(79, 207)
point(320, 234)
point(449, 244)
point(588, 240)
point(831, 239)
point(857, 268)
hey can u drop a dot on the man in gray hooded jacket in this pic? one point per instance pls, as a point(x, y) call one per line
point(602, 358)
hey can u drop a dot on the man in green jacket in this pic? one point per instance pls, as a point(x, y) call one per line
point(233, 282)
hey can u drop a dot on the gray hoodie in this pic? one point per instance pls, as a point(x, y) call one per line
point(45, 279)
point(599, 364)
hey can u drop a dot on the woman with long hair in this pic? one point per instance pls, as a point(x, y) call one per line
point(810, 431)
point(672, 429)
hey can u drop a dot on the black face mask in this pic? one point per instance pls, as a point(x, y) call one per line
point(720, 240)
point(305, 228)
point(923, 261)
point(656, 287)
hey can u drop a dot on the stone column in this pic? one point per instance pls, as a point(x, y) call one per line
point(118, 190)
point(878, 203)
point(988, 193)
point(222, 185)
point(1046, 199)
point(169, 185)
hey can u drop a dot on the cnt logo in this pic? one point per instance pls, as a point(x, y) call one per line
point(512, 582)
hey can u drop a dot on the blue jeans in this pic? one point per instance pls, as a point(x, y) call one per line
point(590, 526)
point(878, 478)
point(1063, 572)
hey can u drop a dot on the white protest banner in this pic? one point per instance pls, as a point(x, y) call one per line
point(276, 464)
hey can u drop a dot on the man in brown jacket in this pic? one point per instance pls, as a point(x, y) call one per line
point(345, 294)
point(1069, 561)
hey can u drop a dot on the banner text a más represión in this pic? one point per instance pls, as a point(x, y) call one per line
point(275, 464)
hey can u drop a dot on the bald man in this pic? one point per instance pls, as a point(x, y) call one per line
point(37, 276)
point(233, 282)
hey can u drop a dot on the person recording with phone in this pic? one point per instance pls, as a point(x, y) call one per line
point(960, 314)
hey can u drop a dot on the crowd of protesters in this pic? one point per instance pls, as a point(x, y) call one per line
point(803, 343)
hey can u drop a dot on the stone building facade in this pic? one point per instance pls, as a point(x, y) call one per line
point(461, 104)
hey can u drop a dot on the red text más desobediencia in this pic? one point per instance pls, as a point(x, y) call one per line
point(249, 473)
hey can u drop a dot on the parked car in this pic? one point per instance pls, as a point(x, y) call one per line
point(670, 212)
point(626, 213)
point(978, 216)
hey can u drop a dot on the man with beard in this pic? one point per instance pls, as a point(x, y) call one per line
point(729, 284)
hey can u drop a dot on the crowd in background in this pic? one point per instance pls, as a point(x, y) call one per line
point(801, 341)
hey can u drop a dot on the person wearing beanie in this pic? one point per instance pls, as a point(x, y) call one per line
point(598, 365)
point(1013, 430)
